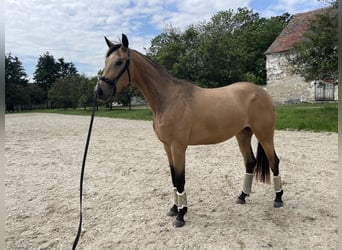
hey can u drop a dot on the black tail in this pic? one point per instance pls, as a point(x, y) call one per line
point(262, 170)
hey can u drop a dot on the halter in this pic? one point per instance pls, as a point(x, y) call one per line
point(115, 80)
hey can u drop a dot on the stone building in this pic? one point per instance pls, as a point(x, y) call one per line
point(282, 83)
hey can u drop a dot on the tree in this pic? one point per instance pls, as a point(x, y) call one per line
point(17, 92)
point(72, 91)
point(228, 48)
point(48, 71)
point(221, 58)
point(66, 92)
point(166, 48)
point(177, 51)
point(87, 86)
point(253, 39)
point(37, 95)
point(65, 68)
point(315, 57)
point(125, 96)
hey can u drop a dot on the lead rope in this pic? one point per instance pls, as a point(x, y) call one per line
point(82, 172)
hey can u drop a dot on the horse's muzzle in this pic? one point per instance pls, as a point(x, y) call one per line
point(103, 93)
point(98, 91)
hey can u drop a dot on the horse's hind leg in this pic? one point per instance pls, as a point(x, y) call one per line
point(267, 158)
point(244, 139)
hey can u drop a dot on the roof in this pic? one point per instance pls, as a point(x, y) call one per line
point(294, 30)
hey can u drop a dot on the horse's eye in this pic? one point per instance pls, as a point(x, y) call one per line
point(118, 63)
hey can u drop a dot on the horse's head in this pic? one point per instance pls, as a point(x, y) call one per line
point(116, 75)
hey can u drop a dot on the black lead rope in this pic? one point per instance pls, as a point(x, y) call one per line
point(82, 172)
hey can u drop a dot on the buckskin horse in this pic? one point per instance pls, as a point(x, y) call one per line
point(185, 114)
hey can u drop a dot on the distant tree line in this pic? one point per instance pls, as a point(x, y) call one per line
point(231, 46)
point(17, 89)
point(57, 84)
point(228, 48)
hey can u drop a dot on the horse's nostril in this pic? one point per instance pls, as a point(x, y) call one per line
point(98, 91)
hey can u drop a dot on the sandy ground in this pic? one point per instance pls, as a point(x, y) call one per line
point(128, 189)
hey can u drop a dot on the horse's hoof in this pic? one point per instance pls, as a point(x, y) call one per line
point(278, 204)
point(241, 198)
point(172, 213)
point(178, 223)
point(240, 201)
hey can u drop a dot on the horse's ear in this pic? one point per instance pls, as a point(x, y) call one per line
point(109, 43)
point(124, 41)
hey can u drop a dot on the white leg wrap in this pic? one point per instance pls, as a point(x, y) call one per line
point(277, 183)
point(175, 197)
point(182, 201)
point(247, 183)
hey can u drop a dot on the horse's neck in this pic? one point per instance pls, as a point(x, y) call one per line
point(153, 82)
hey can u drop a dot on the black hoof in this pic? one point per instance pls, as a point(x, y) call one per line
point(173, 211)
point(241, 198)
point(240, 201)
point(278, 204)
point(178, 223)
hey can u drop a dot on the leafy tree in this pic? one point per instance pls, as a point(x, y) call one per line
point(187, 62)
point(87, 86)
point(48, 71)
point(219, 57)
point(228, 48)
point(66, 91)
point(166, 48)
point(72, 91)
point(316, 56)
point(252, 40)
point(37, 94)
point(16, 84)
point(65, 68)
point(125, 96)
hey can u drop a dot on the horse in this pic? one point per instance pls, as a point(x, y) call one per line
point(185, 114)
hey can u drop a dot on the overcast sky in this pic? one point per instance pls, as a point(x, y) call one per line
point(74, 30)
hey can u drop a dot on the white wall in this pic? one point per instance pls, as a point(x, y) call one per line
point(282, 84)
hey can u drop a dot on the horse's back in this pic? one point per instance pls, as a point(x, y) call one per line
point(240, 95)
point(222, 112)
point(249, 91)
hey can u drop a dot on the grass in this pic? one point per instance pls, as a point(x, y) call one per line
point(123, 113)
point(310, 117)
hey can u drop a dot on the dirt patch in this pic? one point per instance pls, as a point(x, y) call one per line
point(127, 189)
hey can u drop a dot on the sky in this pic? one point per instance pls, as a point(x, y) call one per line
point(75, 30)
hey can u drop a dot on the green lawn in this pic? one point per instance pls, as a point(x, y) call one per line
point(141, 113)
point(311, 117)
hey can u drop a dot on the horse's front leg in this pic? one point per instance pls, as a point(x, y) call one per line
point(182, 205)
point(176, 155)
point(173, 210)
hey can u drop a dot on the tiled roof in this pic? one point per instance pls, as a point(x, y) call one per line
point(294, 30)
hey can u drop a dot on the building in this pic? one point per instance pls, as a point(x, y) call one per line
point(282, 83)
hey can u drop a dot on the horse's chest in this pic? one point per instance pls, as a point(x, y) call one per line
point(169, 132)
